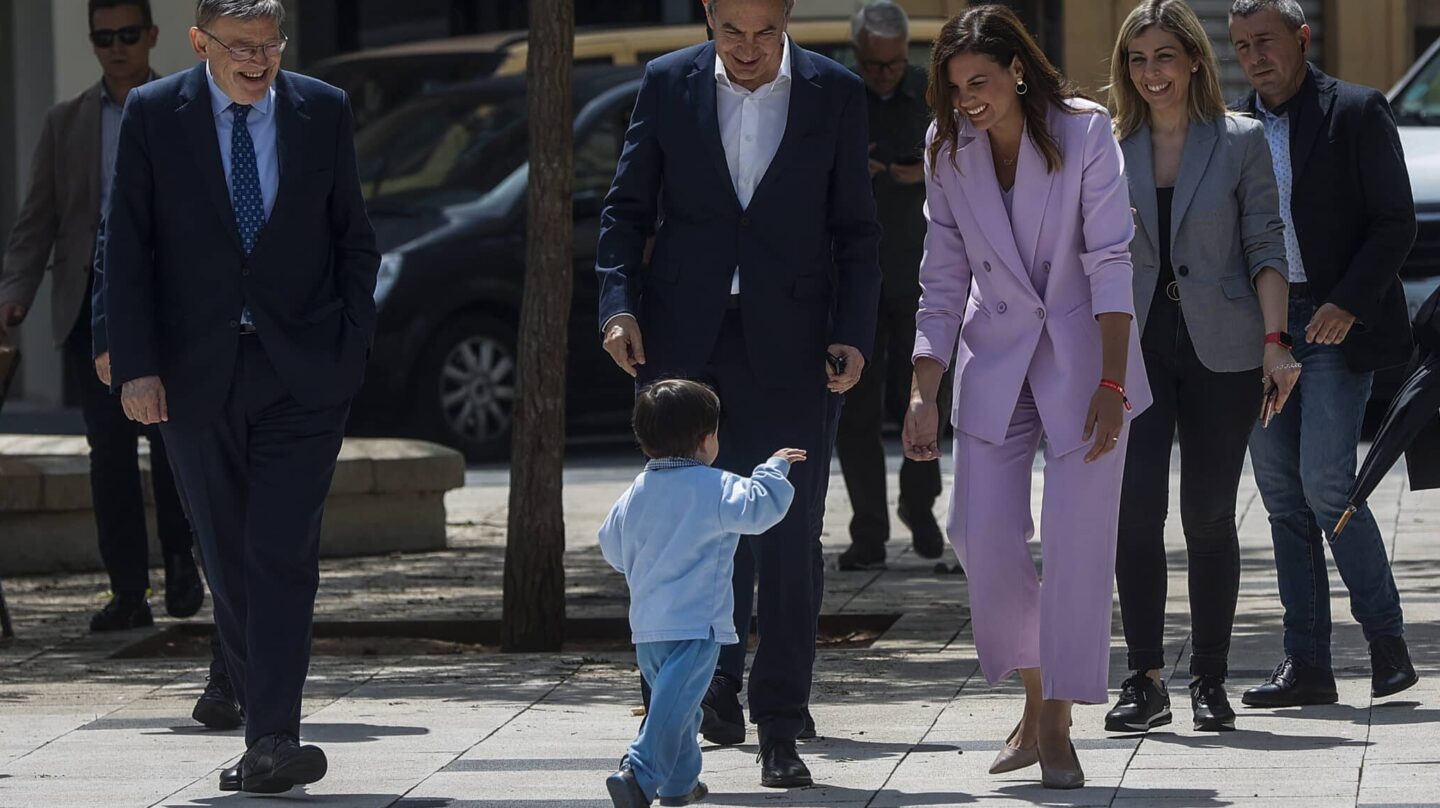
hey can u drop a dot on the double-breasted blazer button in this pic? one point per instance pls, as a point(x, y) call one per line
point(1039, 314)
point(987, 266)
point(1002, 307)
point(1183, 271)
point(1047, 266)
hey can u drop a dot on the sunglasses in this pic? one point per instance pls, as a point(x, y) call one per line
point(105, 37)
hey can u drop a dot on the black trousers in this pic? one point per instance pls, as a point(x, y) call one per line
point(255, 480)
point(1213, 414)
point(787, 560)
point(115, 483)
point(858, 442)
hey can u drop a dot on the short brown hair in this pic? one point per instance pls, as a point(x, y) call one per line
point(673, 416)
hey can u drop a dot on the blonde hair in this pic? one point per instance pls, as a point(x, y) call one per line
point(1206, 100)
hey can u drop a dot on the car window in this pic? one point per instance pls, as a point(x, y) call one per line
point(598, 151)
point(1419, 103)
point(379, 86)
point(463, 141)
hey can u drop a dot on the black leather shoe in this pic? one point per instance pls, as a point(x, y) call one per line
point(123, 612)
point(1294, 683)
point(217, 707)
point(1143, 705)
point(781, 766)
point(1390, 668)
point(698, 793)
point(926, 537)
point(625, 792)
point(230, 779)
point(859, 558)
point(184, 592)
point(278, 763)
point(1212, 707)
point(722, 722)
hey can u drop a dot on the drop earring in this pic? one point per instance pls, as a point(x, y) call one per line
point(1021, 87)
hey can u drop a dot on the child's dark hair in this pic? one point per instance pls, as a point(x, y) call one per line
point(673, 416)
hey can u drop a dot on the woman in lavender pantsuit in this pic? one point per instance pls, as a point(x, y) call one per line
point(1027, 271)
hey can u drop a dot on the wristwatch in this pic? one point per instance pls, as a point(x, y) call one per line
point(1281, 338)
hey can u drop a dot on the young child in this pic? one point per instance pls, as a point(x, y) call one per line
point(674, 533)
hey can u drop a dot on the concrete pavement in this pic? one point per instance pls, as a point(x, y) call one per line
point(907, 721)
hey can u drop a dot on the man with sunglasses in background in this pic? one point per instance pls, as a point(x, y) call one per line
point(899, 116)
point(69, 189)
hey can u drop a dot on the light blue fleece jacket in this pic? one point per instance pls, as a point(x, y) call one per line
point(674, 533)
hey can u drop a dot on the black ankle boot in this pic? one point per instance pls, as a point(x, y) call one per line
point(780, 764)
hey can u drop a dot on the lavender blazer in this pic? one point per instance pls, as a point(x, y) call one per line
point(979, 300)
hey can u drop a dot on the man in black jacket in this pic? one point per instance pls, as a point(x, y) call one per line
point(1349, 221)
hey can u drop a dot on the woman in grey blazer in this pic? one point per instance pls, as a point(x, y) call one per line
point(1210, 285)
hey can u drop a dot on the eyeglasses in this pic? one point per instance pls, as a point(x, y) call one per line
point(105, 37)
point(246, 53)
point(892, 66)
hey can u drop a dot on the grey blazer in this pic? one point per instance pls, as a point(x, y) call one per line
point(1225, 227)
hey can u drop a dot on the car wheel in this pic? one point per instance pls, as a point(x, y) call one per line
point(466, 386)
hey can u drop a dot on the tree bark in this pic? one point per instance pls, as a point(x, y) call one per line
point(534, 602)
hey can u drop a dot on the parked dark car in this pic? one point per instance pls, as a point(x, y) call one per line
point(445, 178)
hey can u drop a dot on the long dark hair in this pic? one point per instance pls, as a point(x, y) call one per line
point(995, 31)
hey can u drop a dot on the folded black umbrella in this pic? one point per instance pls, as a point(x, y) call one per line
point(1411, 425)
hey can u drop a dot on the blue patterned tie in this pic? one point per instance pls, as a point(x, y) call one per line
point(245, 186)
point(245, 179)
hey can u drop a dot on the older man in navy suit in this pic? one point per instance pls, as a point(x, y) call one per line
point(746, 160)
point(240, 272)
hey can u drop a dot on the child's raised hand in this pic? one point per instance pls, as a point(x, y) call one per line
point(791, 455)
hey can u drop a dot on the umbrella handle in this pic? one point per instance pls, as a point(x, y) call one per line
point(1344, 520)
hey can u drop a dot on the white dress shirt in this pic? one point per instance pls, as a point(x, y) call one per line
point(752, 123)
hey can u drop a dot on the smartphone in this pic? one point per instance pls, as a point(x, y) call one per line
point(837, 363)
point(1267, 409)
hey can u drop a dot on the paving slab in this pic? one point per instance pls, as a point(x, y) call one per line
point(907, 721)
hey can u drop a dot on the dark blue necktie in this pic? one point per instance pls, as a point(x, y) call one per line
point(245, 186)
point(245, 180)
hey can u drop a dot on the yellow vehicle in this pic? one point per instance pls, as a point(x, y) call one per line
point(380, 79)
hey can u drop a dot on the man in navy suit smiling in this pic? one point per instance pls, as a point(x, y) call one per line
point(747, 161)
point(240, 271)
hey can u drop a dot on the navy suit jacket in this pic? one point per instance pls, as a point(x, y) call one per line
point(1353, 211)
point(807, 246)
point(177, 278)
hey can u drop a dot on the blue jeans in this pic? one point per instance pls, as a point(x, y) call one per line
point(1304, 466)
point(665, 756)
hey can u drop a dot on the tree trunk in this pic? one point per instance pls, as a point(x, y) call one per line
point(534, 606)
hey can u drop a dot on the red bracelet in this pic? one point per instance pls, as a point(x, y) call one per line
point(1119, 388)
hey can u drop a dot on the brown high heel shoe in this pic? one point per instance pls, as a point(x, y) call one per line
point(1014, 758)
point(1058, 777)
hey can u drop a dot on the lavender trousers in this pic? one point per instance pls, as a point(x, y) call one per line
point(1062, 625)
